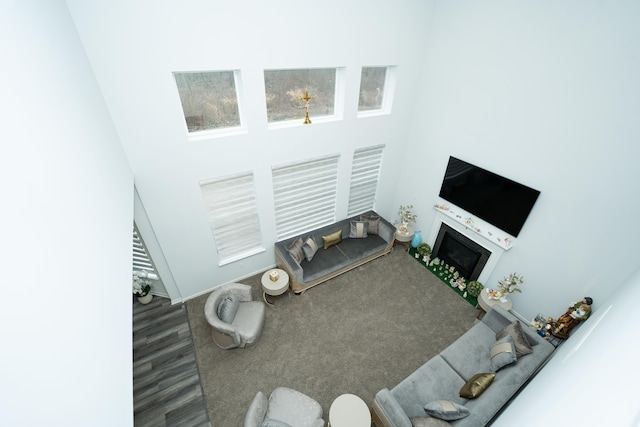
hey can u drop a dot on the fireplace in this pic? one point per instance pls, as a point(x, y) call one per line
point(457, 250)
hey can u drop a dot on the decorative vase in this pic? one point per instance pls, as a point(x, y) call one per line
point(417, 239)
point(145, 299)
point(404, 227)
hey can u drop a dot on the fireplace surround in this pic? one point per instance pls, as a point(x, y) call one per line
point(467, 256)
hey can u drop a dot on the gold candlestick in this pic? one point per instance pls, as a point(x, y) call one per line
point(306, 98)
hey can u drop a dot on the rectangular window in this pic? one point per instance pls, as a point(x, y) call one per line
point(365, 172)
point(285, 89)
point(305, 195)
point(209, 100)
point(376, 90)
point(233, 214)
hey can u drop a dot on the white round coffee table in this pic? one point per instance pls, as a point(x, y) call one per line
point(348, 410)
point(274, 282)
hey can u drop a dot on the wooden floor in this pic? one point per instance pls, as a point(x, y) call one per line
point(166, 382)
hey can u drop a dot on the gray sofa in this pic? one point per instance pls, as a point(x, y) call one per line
point(442, 377)
point(337, 259)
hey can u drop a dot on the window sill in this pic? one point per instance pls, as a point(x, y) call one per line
point(214, 134)
point(243, 255)
point(300, 122)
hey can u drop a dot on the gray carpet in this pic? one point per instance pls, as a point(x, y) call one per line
point(360, 332)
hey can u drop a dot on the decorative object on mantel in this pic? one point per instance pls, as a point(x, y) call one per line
point(446, 273)
point(142, 287)
point(407, 216)
point(576, 313)
point(496, 236)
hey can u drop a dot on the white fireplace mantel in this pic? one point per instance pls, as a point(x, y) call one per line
point(478, 226)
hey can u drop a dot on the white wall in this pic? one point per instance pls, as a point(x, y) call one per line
point(135, 46)
point(592, 376)
point(545, 93)
point(66, 223)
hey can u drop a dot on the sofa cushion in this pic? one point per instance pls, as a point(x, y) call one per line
point(519, 339)
point(332, 239)
point(446, 410)
point(469, 354)
point(295, 249)
point(310, 247)
point(358, 229)
point(373, 223)
point(428, 422)
point(502, 353)
point(477, 385)
point(228, 308)
point(274, 423)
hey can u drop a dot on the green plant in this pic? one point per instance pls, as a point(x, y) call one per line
point(511, 284)
point(424, 249)
point(141, 285)
point(474, 288)
point(406, 214)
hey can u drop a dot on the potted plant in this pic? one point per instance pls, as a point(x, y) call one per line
point(407, 216)
point(474, 288)
point(510, 284)
point(142, 287)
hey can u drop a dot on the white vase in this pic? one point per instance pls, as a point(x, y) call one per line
point(145, 299)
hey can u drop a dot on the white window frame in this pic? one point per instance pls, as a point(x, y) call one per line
point(233, 215)
point(207, 134)
point(389, 93)
point(365, 174)
point(338, 105)
point(305, 195)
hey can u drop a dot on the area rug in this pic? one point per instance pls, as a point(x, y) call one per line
point(357, 333)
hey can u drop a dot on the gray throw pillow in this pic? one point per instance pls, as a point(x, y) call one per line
point(446, 410)
point(228, 308)
point(295, 249)
point(310, 247)
point(503, 353)
point(373, 223)
point(519, 338)
point(358, 229)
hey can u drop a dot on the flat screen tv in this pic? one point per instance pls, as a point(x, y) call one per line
point(499, 201)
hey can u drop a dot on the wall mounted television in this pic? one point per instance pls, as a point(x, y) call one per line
point(499, 201)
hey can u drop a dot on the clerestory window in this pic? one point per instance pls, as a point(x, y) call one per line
point(209, 100)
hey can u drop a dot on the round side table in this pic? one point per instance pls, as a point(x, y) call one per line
point(404, 237)
point(348, 410)
point(274, 282)
point(486, 303)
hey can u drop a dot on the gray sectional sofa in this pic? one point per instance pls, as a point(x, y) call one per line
point(442, 377)
point(306, 272)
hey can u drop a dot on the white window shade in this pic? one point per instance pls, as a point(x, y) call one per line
point(365, 172)
point(141, 260)
point(305, 195)
point(233, 214)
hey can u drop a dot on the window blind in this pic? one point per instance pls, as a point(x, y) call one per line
point(141, 259)
point(305, 195)
point(365, 172)
point(233, 215)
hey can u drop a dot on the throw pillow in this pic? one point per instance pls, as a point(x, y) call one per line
point(446, 410)
point(373, 223)
point(519, 338)
point(476, 385)
point(295, 249)
point(358, 229)
point(228, 308)
point(332, 239)
point(310, 248)
point(274, 423)
point(428, 422)
point(502, 353)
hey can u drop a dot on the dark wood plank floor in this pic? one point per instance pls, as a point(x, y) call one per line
point(166, 382)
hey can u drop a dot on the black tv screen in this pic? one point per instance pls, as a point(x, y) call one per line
point(499, 201)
